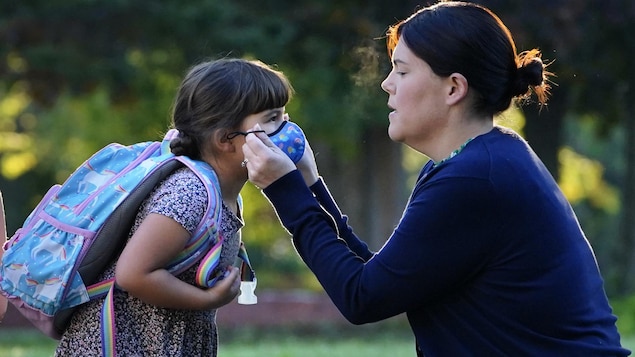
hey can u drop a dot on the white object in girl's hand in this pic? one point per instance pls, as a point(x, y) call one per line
point(247, 296)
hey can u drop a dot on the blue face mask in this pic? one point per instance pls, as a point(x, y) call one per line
point(288, 137)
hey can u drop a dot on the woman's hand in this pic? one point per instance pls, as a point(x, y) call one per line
point(307, 165)
point(266, 163)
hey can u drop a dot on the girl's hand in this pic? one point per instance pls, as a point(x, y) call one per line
point(266, 163)
point(141, 269)
point(226, 290)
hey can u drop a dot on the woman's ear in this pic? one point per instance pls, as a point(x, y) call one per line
point(458, 88)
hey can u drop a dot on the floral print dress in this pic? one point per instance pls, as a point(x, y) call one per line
point(147, 330)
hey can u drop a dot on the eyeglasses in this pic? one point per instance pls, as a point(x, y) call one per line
point(243, 133)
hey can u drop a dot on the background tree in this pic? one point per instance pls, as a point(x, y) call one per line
point(75, 75)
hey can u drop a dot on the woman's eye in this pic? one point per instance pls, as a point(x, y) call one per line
point(398, 72)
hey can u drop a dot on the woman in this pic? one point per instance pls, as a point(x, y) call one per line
point(157, 313)
point(488, 257)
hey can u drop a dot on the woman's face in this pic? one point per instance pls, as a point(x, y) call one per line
point(417, 99)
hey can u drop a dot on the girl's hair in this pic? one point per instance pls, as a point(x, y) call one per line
point(221, 94)
point(459, 37)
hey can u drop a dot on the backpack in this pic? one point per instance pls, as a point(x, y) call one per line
point(51, 264)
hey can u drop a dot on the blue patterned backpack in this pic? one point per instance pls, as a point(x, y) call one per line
point(51, 264)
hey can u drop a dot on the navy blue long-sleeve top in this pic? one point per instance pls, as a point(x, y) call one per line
point(487, 259)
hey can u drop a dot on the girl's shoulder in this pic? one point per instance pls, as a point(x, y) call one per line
point(181, 196)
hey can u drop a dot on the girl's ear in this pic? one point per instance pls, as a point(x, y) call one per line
point(458, 88)
point(221, 143)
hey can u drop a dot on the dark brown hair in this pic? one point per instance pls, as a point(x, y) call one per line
point(221, 94)
point(460, 37)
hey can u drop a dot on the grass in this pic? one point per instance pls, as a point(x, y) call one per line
point(288, 347)
point(25, 343)
point(30, 343)
point(381, 339)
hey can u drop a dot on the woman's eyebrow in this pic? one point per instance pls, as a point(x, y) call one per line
point(398, 61)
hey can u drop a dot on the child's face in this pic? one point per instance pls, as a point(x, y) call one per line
point(287, 135)
point(269, 120)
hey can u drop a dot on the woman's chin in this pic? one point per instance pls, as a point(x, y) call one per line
point(394, 135)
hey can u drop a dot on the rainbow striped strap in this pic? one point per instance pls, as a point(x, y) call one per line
point(106, 288)
point(207, 275)
point(108, 337)
point(100, 289)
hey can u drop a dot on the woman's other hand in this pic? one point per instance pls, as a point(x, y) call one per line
point(307, 165)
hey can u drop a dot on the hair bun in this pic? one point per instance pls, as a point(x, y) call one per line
point(183, 144)
point(530, 73)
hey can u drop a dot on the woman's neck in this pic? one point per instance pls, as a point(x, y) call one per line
point(456, 136)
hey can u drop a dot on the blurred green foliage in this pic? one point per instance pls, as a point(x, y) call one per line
point(76, 75)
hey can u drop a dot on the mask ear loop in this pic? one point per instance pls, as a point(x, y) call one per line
point(234, 134)
point(284, 123)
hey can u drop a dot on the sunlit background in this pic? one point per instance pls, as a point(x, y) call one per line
point(77, 75)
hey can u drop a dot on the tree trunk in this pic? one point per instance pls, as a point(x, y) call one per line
point(370, 187)
point(626, 251)
point(382, 185)
point(543, 129)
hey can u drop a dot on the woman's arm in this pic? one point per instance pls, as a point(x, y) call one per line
point(141, 269)
point(431, 251)
point(345, 231)
point(3, 238)
point(268, 163)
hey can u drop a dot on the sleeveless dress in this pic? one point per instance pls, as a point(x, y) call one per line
point(147, 330)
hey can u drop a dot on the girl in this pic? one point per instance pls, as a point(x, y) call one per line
point(157, 313)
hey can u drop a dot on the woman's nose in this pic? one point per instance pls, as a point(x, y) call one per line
point(385, 85)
